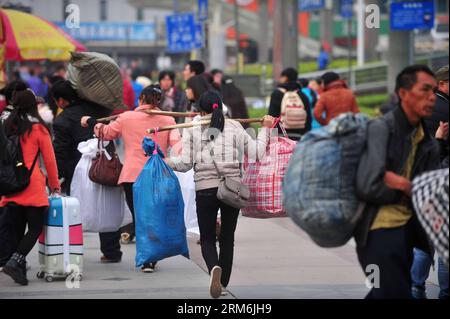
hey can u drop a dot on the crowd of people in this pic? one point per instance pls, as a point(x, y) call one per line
point(410, 139)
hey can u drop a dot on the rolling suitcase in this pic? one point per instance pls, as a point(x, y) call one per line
point(61, 241)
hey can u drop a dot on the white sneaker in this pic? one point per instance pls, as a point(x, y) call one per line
point(215, 288)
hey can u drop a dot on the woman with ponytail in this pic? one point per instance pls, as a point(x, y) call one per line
point(131, 126)
point(27, 208)
point(228, 141)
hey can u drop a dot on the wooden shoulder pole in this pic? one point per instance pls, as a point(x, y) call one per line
point(192, 124)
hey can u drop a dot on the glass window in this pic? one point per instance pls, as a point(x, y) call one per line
point(442, 6)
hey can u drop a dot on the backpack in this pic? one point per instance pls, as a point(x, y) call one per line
point(14, 175)
point(293, 113)
point(319, 186)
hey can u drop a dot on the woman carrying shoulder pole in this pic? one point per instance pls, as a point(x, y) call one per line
point(228, 140)
point(131, 126)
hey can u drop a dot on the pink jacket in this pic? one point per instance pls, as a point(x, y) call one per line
point(132, 126)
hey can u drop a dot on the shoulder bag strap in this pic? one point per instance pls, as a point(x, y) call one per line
point(34, 162)
point(211, 152)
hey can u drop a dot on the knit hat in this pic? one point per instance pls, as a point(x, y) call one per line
point(330, 77)
point(442, 74)
point(24, 99)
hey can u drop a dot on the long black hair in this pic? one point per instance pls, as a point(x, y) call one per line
point(234, 99)
point(25, 106)
point(151, 95)
point(199, 85)
point(10, 88)
point(211, 103)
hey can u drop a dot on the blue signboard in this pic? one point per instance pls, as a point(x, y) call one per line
point(347, 9)
point(198, 36)
point(412, 15)
point(106, 31)
point(202, 10)
point(182, 32)
point(311, 5)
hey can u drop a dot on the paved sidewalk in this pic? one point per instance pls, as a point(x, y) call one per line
point(174, 278)
point(274, 259)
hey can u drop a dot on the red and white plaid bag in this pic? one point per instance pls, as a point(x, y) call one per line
point(265, 177)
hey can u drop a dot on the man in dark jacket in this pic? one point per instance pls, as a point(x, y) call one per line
point(441, 108)
point(422, 260)
point(68, 131)
point(288, 82)
point(68, 134)
point(399, 147)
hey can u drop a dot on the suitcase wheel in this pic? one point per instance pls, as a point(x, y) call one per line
point(40, 275)
point(48, 278)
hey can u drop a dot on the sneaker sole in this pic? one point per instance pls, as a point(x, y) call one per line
point(147, 270)
point(13, 274)
point(110, 261)
point(215, 287)
point(126, 239)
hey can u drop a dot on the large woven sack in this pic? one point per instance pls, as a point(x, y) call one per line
point(319, 187)
point(430, 199)
point(264, 179)
point(96, 77)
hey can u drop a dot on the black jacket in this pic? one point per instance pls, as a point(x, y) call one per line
point(275, 106)
point(387, 149)
point(69, 133)
point(440, 113)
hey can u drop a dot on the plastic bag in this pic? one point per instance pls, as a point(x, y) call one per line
point(264, 179)
point(187, 185)
point(159, 209)
point(102, 208)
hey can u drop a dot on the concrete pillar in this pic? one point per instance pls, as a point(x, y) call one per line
point(327, 25)
point(285, 44)
point(217, 39)
point(263, 41)
point(398, 56)
point(372, 36)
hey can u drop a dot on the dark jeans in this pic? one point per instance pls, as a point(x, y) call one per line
point(8, 243)
point(130, 228)
point(392, 251)
point(207, 207)
point(110, 242)
point(23, 216)
point(110, 245)
point(421, 270)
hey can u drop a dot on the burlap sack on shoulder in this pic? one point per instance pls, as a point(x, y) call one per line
point(96, 77)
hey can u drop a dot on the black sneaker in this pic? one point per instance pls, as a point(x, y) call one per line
point(148, 267)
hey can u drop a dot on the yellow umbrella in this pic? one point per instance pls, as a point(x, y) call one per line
point(24, 36)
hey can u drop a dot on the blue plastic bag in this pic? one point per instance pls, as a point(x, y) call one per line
point(159, 210)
